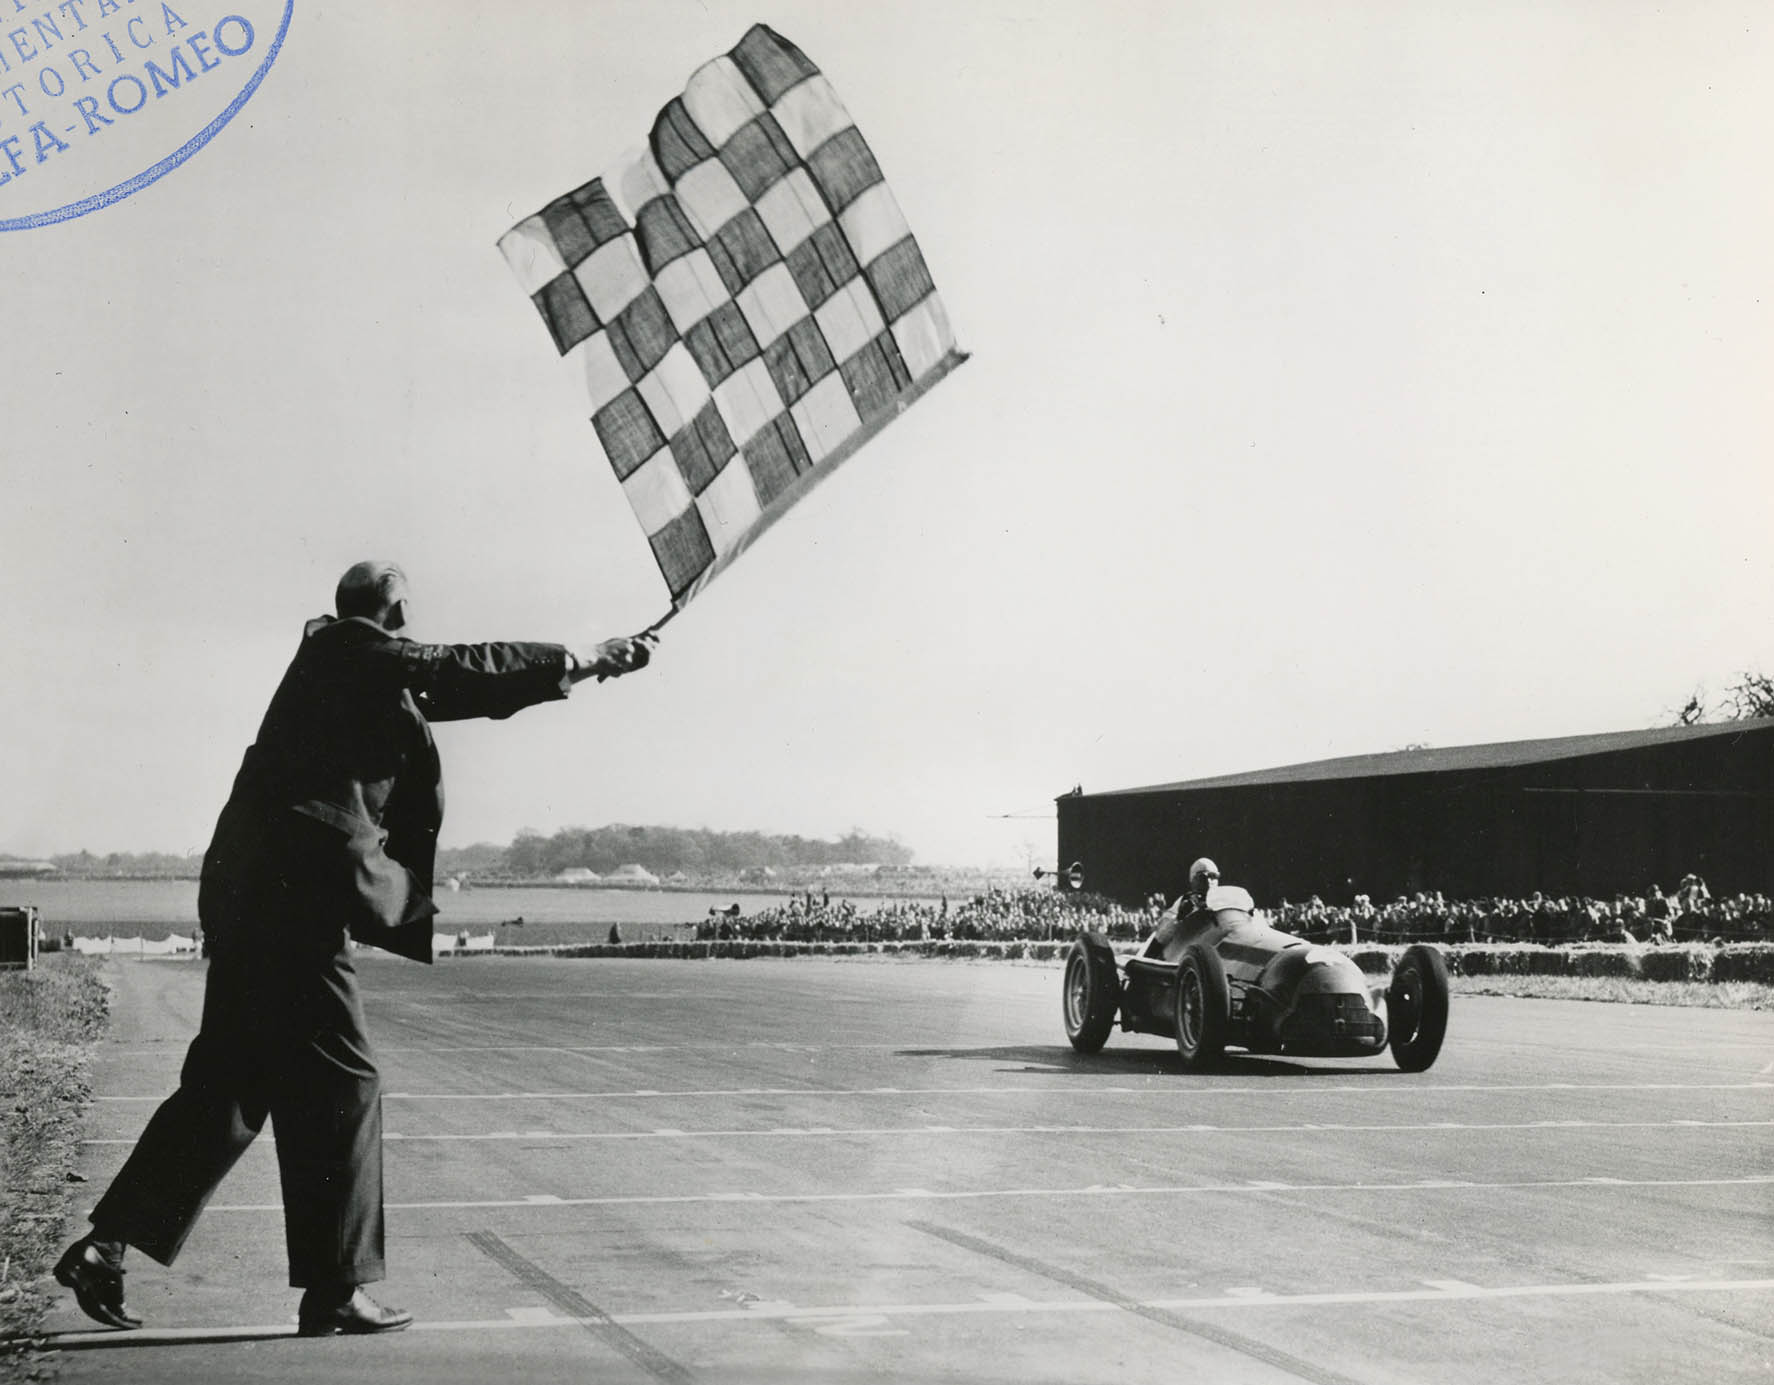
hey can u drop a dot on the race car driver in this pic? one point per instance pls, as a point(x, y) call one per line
point(1188, 913)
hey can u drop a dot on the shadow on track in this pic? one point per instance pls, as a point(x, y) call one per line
point(1057, 1058)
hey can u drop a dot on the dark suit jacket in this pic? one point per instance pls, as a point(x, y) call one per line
point(333, 819)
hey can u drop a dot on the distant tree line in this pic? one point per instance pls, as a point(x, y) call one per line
point(533, 856)
point(158, 865)
point(667, 850)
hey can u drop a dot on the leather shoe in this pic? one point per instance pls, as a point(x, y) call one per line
point(97, 1281)
point(325, 1314)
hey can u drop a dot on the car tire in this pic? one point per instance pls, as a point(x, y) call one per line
point(1091, 994)
point(1203, 1005)
point(1417, 1007)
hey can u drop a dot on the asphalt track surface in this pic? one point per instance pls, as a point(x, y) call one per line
point(884, 1170)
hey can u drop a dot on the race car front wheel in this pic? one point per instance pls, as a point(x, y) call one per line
point(1203, 1005)
point(1417, 1005)
point(1091, 996)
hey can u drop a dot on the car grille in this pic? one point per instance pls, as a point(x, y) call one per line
point(1331, 1015)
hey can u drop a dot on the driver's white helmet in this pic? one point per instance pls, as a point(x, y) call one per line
point(1203, 870)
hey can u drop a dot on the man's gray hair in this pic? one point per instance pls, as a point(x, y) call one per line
point(369, 588)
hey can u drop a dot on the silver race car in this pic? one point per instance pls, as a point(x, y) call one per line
point(1228, 979)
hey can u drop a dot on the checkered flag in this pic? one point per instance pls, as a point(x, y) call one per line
point(744, 300)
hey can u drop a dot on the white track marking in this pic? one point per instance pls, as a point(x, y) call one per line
point(536, 1317)
point(857, 1325)
point(1399, 1086)
point(1094, 1190)
point(829, 1132)
point(175, 1048)
point(840, 1315)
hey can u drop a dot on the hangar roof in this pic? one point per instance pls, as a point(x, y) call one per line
point(1498, 755)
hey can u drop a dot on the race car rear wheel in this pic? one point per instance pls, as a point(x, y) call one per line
point(1417, 1006)
point(1091, 994)
point(1203, 1004)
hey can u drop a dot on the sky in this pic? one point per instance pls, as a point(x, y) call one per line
point(1343, 376)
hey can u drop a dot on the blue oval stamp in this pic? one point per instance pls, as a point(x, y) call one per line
point(100, 98)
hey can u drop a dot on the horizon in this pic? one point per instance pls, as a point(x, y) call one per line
point(13, 858)
point(1721, 725)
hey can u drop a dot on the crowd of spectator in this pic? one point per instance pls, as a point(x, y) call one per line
point(1690, 913)
point(997, 915)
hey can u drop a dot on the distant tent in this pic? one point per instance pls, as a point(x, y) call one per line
point(633, 874)
point(578, 875)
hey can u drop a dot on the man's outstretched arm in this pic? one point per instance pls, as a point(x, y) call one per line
point(458, 681)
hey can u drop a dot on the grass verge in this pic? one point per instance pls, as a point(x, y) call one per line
point(1712, 995)
point(50, 1019)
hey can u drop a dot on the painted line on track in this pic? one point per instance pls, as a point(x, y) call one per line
point(1446, 1291)
point(757, 1199)
point(913, 1043)
point(1401, 1086)
point(175, 1048)
point(834, 1132)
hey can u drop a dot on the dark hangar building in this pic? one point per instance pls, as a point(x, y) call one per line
point(1579, 815)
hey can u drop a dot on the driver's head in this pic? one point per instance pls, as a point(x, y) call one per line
point(1203, 876)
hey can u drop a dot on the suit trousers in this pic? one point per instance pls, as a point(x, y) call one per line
point(282, 1036)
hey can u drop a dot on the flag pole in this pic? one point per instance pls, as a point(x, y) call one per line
point(659, 624)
